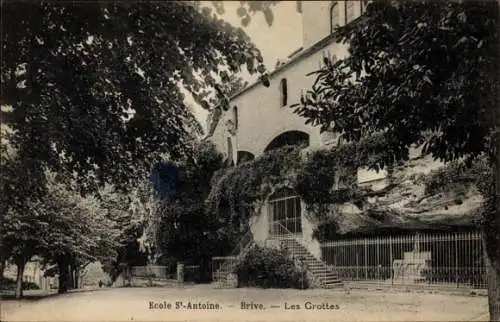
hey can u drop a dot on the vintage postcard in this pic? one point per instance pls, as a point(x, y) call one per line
point(249, 161)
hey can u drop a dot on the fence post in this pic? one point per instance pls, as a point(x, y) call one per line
point(357, 266)
point(456, 259)
point(377, 256)
point(366, 259)
point(180, 273)
point(391, 258)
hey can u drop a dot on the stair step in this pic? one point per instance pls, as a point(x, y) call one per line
point(333, 286)
point(331, 279)
point(323, 273)
point(317, 266)
point(327, 277)
point(331, 282)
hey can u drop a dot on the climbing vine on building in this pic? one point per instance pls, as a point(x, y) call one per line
point(320, 178)
point(238, 190)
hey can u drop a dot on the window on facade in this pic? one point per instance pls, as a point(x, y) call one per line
point(349, 11)
point(244, 156)
point(229, 150)
point(284, 92)
point(334, 15)
point(235, 117)
point(285, 212)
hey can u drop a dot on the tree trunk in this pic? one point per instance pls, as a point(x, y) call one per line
point(2, 267)
point(493, 289)
point(21, 264)
point(492, 220)
point(491, 234)
point(63, 264)
point(71, 277)
point(77, 273)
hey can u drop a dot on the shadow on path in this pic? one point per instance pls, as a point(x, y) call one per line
point(36, 295)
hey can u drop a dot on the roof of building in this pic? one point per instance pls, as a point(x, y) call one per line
point(295, 57)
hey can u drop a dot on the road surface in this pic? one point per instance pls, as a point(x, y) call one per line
point(203, 303)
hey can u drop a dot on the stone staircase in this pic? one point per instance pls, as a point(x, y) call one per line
point(326, 277)
point(222, 275)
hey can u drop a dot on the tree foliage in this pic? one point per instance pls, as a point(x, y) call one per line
point(186, 231)
point(320, 178)
point(249, 8)
point(93, 93)
point(95, 87)
point(135, 214)
point(458, 178)
point(77, 226)
point(418, 72)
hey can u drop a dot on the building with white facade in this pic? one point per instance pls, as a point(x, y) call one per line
point(260, 119)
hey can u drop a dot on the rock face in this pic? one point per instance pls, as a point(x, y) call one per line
point(403, 203)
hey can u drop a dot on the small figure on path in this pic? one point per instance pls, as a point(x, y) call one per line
point(100, 284)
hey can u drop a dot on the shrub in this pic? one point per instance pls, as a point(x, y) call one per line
point(9, 284)
point(270, 268)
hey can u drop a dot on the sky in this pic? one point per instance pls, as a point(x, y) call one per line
point(275, 42)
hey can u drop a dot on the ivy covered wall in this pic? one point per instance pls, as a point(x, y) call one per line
point(326, 182)
point(239, 192)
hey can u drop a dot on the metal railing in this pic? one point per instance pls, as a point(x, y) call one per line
point(223, 265)
point(452, 259)
point(279, 231)
point(299, 246)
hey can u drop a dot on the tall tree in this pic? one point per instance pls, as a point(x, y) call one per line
point(126, 210)
point(92, 91)
point(20, 225)
point(96, 87)
point(187, 232)
point(78, 230)
point(418, 73)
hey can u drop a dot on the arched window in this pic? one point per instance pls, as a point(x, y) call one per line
point(284, 92)
point(285, 212)
point(288, 138)
point(334, 15)
point(244, 156)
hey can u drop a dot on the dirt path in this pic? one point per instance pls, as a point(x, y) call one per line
point(152, 304)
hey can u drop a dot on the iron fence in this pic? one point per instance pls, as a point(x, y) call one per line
point(452, 259)
point(151, 271)
point(224, 265)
